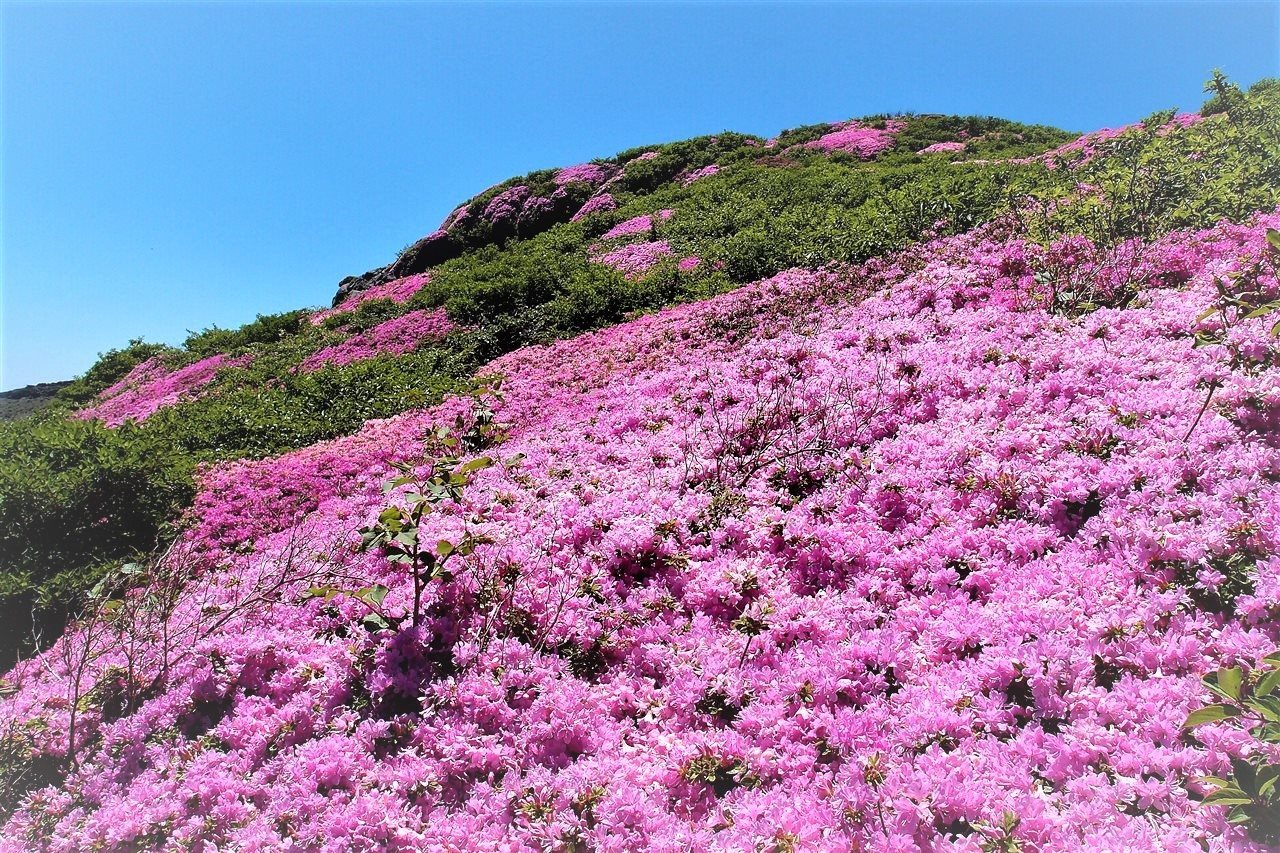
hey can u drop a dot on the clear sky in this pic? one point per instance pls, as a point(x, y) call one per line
point(171, 166)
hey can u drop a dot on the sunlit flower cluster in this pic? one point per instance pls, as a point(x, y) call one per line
point(697, 174)
point(391, 337)
point(152, 385)
point(890, 557)
point(397, 290)
point(853, 137)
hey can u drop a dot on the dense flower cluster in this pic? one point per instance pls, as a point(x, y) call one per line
point(696, 174)
point(883, 558)
point(852, 137)
point(395, 336)
point(636, 225)
point(589, 173)
point(152, 386)
point(507, 204)
point(635, 259)
point(397, 290)
point(942, 147)
point(604, 201)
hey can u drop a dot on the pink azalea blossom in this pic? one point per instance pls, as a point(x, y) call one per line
point(860, 559)
point(395, 336)
point(152, 386)
point(398, 290)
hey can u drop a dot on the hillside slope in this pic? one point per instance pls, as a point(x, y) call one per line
point(927, 545)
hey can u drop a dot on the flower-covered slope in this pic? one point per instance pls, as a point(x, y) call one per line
point(152, 386)
point(391, 337)
point(882, 557)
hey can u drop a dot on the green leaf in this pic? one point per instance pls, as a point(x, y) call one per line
point(444, 548)
point(1206, 314)
point(1267, 706)
point(1228, 796)
point(374, 622)
point(1273, 237)
point(1225, 682)
point(1267, 777)
point(1273, 658)
point(1263, 310)
point(1267, 683)
point(328, 593)
point(477, 464)
point(1210, 714)
point(374, 594)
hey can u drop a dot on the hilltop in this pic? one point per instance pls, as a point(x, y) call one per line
point(891, 483)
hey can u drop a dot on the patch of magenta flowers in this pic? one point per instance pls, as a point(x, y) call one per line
point(398, 290)
point(152, 386)
point(888, 557)
point(395, 336)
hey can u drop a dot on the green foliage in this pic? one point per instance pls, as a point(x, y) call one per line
point(75, 496)
point(1249, 700)
point(265, 329)
point(111, 367)
point(984, 137)
point(1150, 180)
point(398, 531)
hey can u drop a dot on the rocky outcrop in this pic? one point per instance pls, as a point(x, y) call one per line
point(27, 399)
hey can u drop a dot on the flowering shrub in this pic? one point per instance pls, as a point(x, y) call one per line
point(942, 147)
point(886, 557)
point(508, 204)
point(151, 386)
point(589, 173)
point(636, 225)
point(635, 259)
point(604, 201)
point(697, 174)
point(397, 290)
point(395, 336)
point(852, 137)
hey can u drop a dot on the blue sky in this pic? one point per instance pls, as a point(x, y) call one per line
point(169, 167)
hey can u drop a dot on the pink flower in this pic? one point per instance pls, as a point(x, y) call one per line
point(854, 138)
point(942, 147)
point(395, 336)
point(635, 259)
point(151, 386)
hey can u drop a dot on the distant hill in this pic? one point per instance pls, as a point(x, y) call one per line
point(28, 399)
